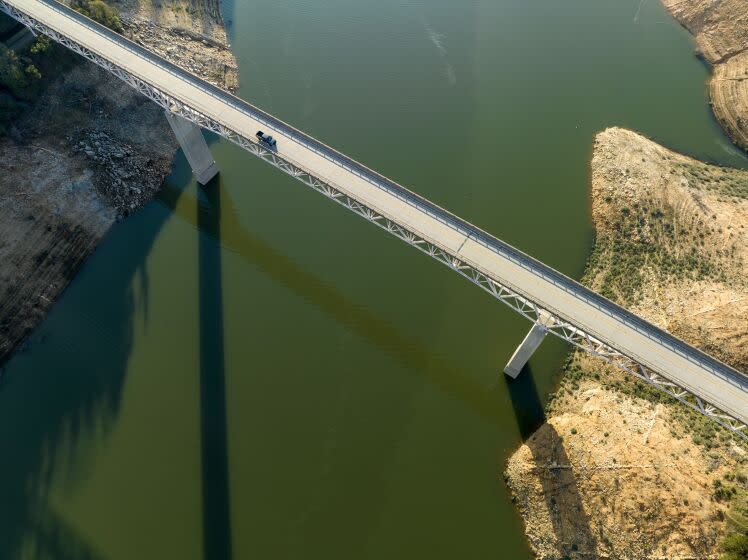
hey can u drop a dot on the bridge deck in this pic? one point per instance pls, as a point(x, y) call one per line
point(650, 346)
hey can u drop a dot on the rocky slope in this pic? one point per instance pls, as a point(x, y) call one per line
point(721, 31)
point(618, 471)
point(190, 33)
point(90, 151)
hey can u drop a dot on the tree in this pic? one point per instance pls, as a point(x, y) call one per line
point(18, 77)
point(41, 45)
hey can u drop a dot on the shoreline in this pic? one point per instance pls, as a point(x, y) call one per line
point(577, 512)
point(721, 42)
point(615, 436)
point(88, 152)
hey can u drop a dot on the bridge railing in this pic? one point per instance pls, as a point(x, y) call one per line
point(415, 200)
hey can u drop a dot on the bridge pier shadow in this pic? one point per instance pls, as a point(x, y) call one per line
point(213, 422)
point(571, 524)
point(410, 353)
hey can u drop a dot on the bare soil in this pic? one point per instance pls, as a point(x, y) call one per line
point(619, 470)
point(720, 28)
point(672, 241)
point(190, 33)
point(605, 478)
point(89, 152)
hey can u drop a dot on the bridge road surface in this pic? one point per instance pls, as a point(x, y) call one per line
point(702, 375)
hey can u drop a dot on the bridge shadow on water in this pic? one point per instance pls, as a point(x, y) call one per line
point(220, 227)
point(69, 396)
point(571, 524)
point(65, 395)
point(410, 352)
point(213, 422)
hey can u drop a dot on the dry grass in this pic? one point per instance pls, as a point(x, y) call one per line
point(620, 469)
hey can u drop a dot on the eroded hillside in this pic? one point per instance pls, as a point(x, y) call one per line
point(619, 471)
point(720, 28)
point(87, 151)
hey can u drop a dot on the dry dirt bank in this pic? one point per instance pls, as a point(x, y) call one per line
point(721, 31)
point(89, 152)
point(190, 33)
point(618, 471)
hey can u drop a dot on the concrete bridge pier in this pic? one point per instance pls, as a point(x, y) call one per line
point(528, 346)
point(195, 148)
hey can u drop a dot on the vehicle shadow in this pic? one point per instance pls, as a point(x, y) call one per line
point(571, 523)
point(213, 423)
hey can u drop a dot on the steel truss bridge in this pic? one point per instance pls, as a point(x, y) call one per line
point(553, 302)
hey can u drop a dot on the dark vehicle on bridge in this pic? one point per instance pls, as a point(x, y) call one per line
point(266, 138)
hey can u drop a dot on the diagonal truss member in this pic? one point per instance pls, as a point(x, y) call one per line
point(508, 295)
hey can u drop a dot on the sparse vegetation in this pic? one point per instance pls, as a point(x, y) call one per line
point(19, 80)
point(735, 547)
point(99, 11)
point(669, 230)
point(17, 75)
point(662, 236)
point(25, 74)
point(656, 236)
point(734, 492)
point(699, 428)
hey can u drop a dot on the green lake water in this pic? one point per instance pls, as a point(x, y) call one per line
point(249, 371)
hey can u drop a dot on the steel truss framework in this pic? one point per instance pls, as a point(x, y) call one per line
point(556, 325)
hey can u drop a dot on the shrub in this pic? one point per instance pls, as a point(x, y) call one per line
point(735, 547)
point(33, 72)
point(99, 11)
point(722, 492)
